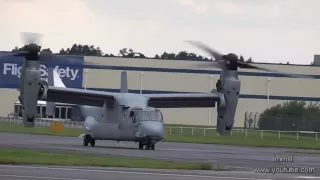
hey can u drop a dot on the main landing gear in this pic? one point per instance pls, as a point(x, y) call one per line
point(87, 139)
point(148, 146)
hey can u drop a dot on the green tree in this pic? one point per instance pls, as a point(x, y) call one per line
point(292, 115)
point(130, 53)
point(249, 60)
point(79, 49)
point(23, 47)
point(182, 55)
point(241, 59)
point(91, 50)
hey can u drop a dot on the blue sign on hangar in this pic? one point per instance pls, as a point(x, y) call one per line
point(10, 71)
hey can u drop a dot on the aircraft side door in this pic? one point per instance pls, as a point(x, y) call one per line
point(126, 126)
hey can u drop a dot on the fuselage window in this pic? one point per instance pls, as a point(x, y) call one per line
point(131, 116)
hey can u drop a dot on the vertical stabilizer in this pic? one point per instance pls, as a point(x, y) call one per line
point(50, 105)
point(57, 81)
point(124, 82)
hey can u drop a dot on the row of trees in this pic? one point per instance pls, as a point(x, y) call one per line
point(291, 116)
point(91, 50)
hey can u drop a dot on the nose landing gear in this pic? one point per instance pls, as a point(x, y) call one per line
point(148, 146)
point(87, 139)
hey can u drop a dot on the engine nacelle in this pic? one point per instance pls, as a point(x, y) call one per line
point(33, 89)
point(230, 89)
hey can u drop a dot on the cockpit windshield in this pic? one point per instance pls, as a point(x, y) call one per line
point(148, 116)
point(156, 115)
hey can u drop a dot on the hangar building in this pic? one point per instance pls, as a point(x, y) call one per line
point(259, 90)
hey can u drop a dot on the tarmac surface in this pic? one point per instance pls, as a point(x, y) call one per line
point(242, 159)
point(12, 172)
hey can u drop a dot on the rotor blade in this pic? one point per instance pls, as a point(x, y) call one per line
point(31, 38)
point(250, 66)
point(217, 55)
point(210, 65)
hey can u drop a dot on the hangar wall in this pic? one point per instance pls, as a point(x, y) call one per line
point(180, 76)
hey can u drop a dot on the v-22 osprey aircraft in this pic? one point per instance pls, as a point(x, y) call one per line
point(115, 116)
point(127, 116)
point(133, 120)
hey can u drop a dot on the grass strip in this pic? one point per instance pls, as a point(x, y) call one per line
point(23, 156)
point(187, 135)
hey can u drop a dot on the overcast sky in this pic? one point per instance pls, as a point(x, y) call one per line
point(266, 30)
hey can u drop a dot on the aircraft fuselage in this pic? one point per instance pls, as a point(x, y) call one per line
point(122, 123)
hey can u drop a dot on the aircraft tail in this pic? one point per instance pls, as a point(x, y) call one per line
point(56, 80)
point(124, 82)
point(53, 80)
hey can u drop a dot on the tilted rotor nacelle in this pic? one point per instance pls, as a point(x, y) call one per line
point(34, 88)
point(228, 84)
point(229, 88)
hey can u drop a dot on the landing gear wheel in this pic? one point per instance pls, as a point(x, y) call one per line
point(140, 146)
point(86, 140)
point(152, 146)
point(92, 142)
point(147, 146)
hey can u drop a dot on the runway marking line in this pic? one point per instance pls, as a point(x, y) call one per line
point(308, 177)
point(38, 177)
point(126, 172)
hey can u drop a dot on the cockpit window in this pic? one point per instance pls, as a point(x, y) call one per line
point(156, 115)
point(148, 116)
point(142, 116)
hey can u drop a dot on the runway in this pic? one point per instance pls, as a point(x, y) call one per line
point(235, 157)
point(84, 173)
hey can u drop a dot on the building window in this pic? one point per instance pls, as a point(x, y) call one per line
point(63, 112)
point(57, 112)
point(38, 109)
point(16, 108)
point(69, 115)
point(44, 109)
point(20, 110)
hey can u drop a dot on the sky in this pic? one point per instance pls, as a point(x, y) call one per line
point(271, 31)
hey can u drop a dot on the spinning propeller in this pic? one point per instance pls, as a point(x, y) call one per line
point(32, 51)
point(231, 61)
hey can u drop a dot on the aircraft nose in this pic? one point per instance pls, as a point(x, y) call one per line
point(152, 129)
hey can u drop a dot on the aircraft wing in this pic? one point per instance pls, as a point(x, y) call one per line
point(183, 100)
point(78, 96)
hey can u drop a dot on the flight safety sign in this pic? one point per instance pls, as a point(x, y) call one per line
point(11, 66)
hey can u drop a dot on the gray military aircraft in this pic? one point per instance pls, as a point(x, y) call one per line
point(127, 116)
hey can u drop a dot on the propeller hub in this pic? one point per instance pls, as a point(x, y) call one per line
point(33, 48)
point(231, 61)
point(33, 52)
